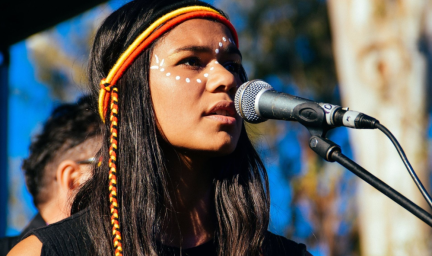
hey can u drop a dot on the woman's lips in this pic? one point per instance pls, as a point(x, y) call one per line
point(228, 120)
point(222, 112)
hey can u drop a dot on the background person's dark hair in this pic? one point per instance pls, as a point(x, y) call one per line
point(241, 194)
point(68, 126)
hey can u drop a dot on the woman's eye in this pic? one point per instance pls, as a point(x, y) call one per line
point(193, 62)
point(233, 67)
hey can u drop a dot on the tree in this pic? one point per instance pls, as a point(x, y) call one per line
point(382, 73)
point(60, 54)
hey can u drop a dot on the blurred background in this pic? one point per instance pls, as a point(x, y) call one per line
point(374, 56)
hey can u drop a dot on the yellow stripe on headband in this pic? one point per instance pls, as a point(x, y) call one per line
point(148, 31)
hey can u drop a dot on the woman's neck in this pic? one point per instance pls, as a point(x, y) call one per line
point(192, 220)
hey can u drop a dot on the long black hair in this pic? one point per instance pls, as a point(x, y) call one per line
point(241, 195)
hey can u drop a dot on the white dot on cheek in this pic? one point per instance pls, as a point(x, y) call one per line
point(162, 69)
point(217, 51)
point(220, 44)
point(187, 80)
point(177, 78)
point(198, 80)
point(206, 75)
point(168, 74)
point(216, 62)
point(211, 68)
point(223, 38)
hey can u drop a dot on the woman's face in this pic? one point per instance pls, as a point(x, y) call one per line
point(194, 74)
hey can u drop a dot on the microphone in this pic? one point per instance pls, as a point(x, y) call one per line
point(256, 101)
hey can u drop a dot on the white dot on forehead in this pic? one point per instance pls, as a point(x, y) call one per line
point(216, 62)
point(198, 80)
point(223, 38)
point(206, 75)
point(154, 67)
point(220, 44)
point(177, 78)
point(168, 74)
point(217, 51)
point(187, 80)
point(211, 68)
point(162, 69)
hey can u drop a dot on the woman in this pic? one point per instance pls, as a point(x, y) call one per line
point(178, 174)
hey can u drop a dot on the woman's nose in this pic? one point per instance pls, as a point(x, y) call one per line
point(221, 80)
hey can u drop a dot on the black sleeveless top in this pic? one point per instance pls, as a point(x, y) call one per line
point(69, 237)
point(7, 243)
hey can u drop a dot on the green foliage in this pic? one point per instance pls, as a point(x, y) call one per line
point(287, 38)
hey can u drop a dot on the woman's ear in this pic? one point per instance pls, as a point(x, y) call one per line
point(68, 175)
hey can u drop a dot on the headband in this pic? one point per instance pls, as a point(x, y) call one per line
point(108, 95)
point(144, 40)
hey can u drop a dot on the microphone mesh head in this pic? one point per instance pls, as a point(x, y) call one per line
point(245, 100)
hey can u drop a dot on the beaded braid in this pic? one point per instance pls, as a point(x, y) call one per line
point(112, 173)
point(109, 91)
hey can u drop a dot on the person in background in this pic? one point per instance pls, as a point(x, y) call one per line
point(59, 162)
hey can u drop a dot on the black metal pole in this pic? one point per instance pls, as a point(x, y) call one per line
point(382, 187)
point(331, 152)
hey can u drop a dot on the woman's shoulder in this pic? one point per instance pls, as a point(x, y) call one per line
point(30, 246)
point(279, 245)
point(67, 235)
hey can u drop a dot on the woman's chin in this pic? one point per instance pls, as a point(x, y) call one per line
point(216, 151)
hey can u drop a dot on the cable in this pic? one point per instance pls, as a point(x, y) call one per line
point(406, 162)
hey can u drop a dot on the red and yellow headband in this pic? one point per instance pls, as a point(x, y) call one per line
point(108, 93)
point(146, 38)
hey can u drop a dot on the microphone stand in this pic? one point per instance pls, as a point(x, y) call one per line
point(313, 117)
point(331, 152)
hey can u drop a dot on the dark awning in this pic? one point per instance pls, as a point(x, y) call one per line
point(21, 19)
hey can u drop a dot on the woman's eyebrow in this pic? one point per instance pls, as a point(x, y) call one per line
point(234, 50)
point(205, 49)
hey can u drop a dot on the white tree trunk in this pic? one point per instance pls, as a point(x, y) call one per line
point(382, 73)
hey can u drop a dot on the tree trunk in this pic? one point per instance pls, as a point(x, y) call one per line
point(382, 73)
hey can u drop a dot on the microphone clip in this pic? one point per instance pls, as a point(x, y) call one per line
point(313, 117)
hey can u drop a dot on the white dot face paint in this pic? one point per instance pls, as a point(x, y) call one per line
point(188, 80)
